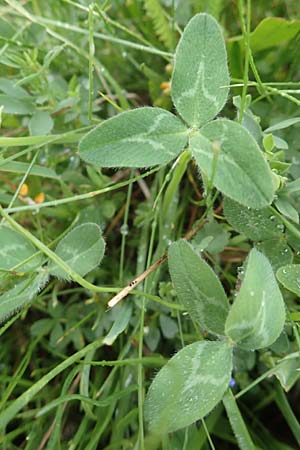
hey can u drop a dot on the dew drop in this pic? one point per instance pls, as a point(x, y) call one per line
point(124, 230)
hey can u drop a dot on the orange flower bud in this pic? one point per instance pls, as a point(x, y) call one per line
point(24, 189)
point(39, 198)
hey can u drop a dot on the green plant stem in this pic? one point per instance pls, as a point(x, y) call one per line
point(91, 59)
point(124, 233)
point(75, 198)
point(101, 36)
point(71, 273)
point(10, 412)
point(287, 412)
point(246, 34)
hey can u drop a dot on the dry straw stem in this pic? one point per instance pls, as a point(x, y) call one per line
point(134, 283)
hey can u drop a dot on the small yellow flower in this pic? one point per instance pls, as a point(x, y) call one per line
point(39, 198)
point(24, 189)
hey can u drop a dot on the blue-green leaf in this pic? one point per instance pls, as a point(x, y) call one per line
point(228, 155)
point(198, 288)
point(15, 248)
point(200, 79)
point(82, 249)
point(257, 315)
point(141, 137)
point(257, 225)
point(289, 277)
point(20, 295)
point(189, 386)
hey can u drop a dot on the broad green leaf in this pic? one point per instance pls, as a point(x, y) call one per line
point(257, 225)
point(41, 123)
point(257, 315)
point(189, 386)
point(277, 251)
point(226, 152)
point(82, 249)
point(20, 295)
point(285, 123)
point(15, 248)
point(141, 137)
point(9, 87)
point(198, 288)
point(200, 77)
point(270, 32)
point(16, 105)
point(289, 277)
point(284, 205)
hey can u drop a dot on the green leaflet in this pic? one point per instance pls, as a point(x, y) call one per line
point(226, 152)
point(41, 123)
point(257, 315)
point(21, 294)
point(15, 248)
point(200, 74)
point(141, 137)
point(189, 386)
point(82, 249)
point(277, 251)
point(198, 288)
point(257, 225)
point(289, 277)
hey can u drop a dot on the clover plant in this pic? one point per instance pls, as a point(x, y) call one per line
point(230, 159)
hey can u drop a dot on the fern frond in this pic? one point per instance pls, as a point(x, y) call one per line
point(161, 23)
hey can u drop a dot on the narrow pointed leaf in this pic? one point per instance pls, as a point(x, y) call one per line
point(227, 153)
point(189, 386)
point(200, 72)
point(257, 316)
point(82, 249)
point(198, 288)
point(142, 137)
point(289, 277)
point(15, 248)
point(20, 295)
point(237, 422)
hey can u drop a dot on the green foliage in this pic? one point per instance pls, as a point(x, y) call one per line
point(75, 371)
point(289, 277)
point(140, 138)
point(200, 77)
point(239, 171)
point(198, 288)
point(257, 315)
point(14, 249)
point(257, 225)
point(40, 124)
point(189, 386)
point(162, 24)
point(20, 295)
point(82, 249)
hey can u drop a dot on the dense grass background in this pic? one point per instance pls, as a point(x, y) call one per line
point(65, 66)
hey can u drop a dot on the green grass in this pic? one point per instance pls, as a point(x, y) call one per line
point(74, 372)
